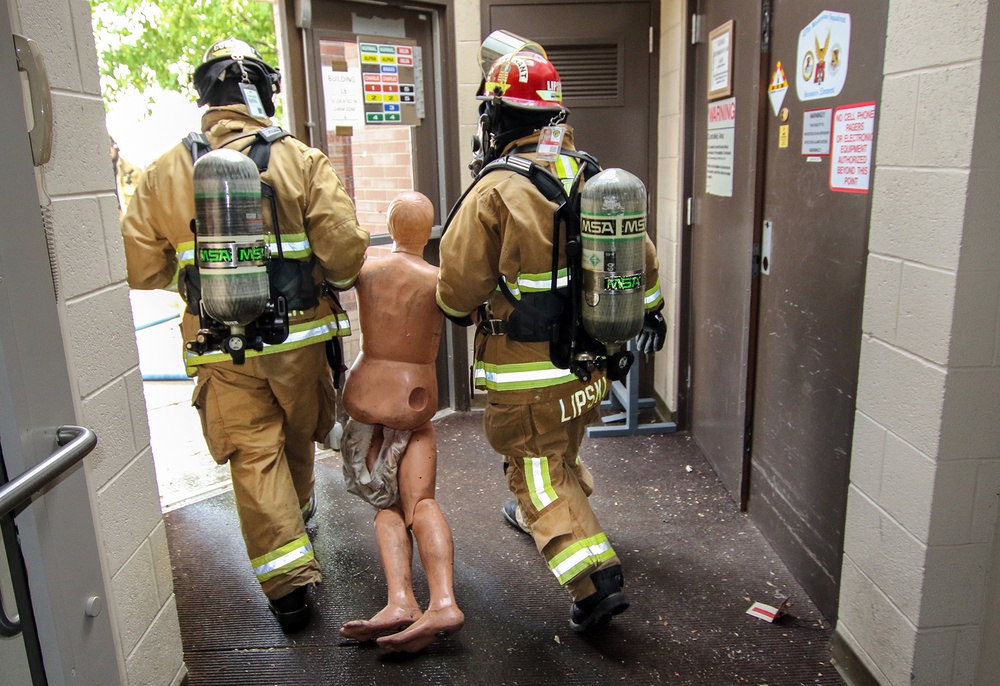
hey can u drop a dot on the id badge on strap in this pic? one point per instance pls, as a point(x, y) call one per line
point(252, 98)
point(550, 143)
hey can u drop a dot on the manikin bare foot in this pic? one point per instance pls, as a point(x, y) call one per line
point(389, 620)
point(432, 626)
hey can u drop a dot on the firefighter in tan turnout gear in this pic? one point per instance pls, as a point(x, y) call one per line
point(498, 249)
point(262, 407)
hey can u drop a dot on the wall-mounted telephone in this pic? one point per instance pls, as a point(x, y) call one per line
point(29, 60)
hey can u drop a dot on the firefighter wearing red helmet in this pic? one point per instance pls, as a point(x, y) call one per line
point(263, 414)
point(498, 249)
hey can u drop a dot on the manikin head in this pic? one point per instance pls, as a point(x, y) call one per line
point(410, 218)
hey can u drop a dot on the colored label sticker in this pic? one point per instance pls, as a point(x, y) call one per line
point(777, 88)
point(783, 136)
point(601, 227)
point(626, 282)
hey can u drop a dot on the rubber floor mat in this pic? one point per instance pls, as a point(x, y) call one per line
point(693, 565)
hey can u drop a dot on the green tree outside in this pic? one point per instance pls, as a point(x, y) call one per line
point(146, 43)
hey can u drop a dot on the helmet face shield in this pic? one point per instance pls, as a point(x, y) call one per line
point(501, 43)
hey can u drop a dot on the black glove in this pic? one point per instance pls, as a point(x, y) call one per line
point(653, 334)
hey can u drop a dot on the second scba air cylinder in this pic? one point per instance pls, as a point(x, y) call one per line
point(229, 229)
point(612, 233)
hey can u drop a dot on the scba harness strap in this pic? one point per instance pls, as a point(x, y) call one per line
point(291, 280)
point(552, 315)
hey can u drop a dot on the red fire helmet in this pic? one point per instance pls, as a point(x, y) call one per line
point(523, 79)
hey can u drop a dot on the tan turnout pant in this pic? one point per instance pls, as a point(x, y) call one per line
point(541, 456)
point(264, 417)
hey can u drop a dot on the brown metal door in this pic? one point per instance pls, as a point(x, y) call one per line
point(812, 284)
point(722, 233)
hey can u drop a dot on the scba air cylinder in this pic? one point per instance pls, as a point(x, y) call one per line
point(613, 232)
point(229, 227)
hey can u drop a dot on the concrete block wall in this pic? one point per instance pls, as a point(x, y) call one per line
point(919, 558)
point(97, 324)
point(467, 39)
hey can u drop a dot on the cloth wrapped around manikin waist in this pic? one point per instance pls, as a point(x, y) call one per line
point(379, 486)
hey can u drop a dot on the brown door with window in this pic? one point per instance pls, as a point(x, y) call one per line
point(787, 347)
point(374, 84)
point(820, 154)
point(725, 212)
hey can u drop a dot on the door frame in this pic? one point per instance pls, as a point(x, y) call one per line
point(62, 557)
point(294, 27)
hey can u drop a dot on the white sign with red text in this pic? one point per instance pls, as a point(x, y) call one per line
point(721, 147)
point(853, 143)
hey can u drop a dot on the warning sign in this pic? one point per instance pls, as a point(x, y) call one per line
point(721, 150)
point(776, 91)
point(853, 141)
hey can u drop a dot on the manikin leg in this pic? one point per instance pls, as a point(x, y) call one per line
point(396, 549)
point(437, 553)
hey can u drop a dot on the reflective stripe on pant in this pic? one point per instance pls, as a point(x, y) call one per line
point(263, 417)
point(551, 485)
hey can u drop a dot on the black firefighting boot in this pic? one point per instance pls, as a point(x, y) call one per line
point(597, 609)
point(292, 610)
point(513, 515)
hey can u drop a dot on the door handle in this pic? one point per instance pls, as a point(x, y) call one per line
point(29, 60)
point(765, 248)
point(76, 442)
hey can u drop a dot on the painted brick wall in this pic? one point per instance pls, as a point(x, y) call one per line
point(97, 325)
point(922, 508)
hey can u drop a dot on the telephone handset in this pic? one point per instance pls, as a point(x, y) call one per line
point(29, 60)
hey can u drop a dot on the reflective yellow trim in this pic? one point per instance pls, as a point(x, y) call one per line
point(299, 336)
